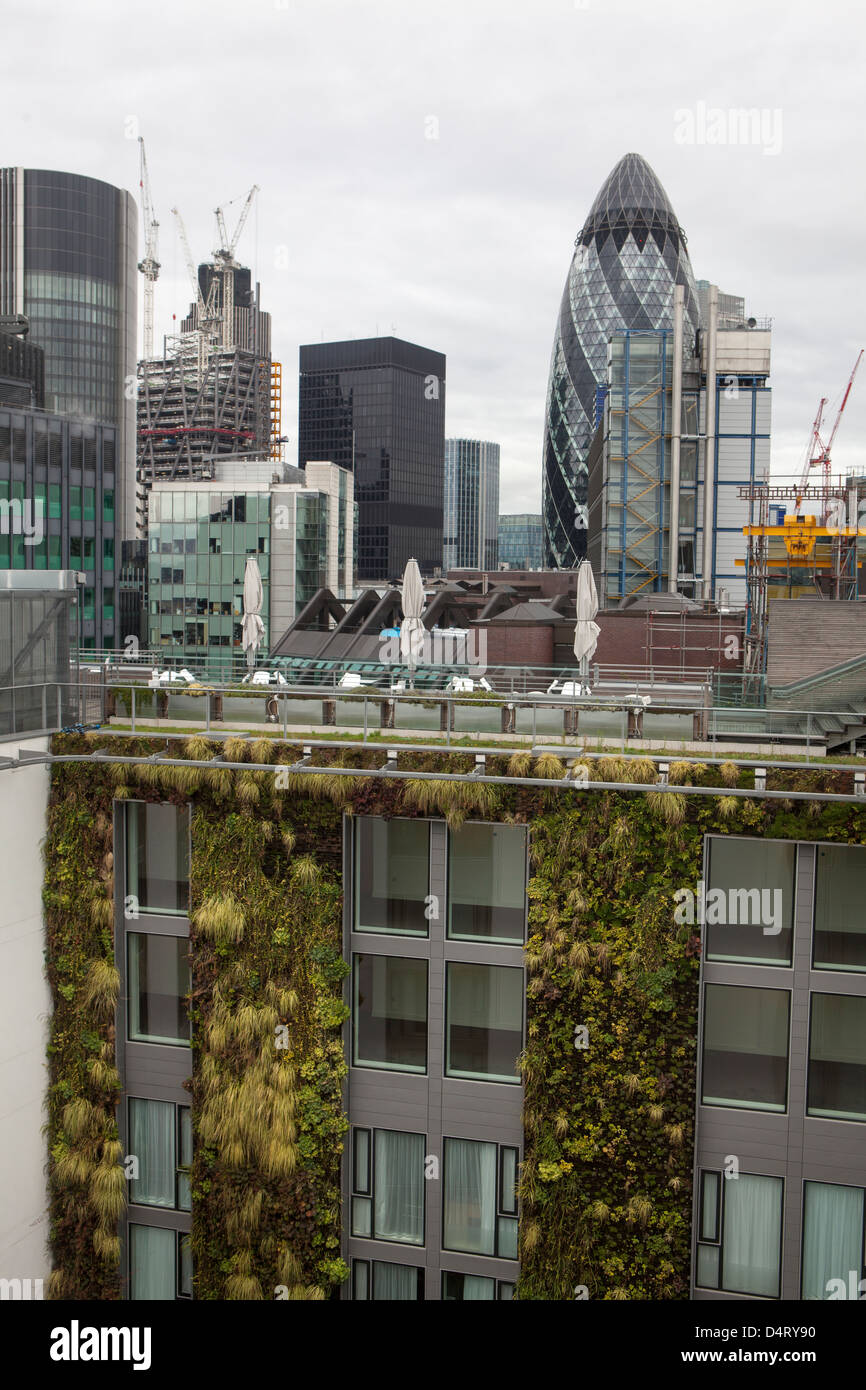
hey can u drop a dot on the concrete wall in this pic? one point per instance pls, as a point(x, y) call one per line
point(25, 1005)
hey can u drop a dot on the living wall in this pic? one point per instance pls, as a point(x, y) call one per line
point(609, 1062)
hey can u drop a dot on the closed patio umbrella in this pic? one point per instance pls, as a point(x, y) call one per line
point(586, 630)
point(253, 627)
point(412, 627)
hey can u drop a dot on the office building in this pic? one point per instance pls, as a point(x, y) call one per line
point(58, 507)
point(521, 541)
point(640, 458)
point(471, 504)
point(298, 524)
point(628, 256)
point(68, 247)
point(376, 407)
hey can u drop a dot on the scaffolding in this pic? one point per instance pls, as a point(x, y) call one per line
point(195, 405)
point(796, 556)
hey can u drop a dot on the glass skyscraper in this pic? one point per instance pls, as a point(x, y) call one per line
point(628, 256)
point(68, 262)
point(376, 406)
point(471, 504)
point(520, 541)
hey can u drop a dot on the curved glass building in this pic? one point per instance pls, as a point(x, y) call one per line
point(628, 256)
point(68, 262)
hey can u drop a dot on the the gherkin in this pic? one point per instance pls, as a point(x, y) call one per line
point(628, 256)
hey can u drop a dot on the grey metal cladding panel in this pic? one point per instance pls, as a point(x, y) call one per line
point(158, 1216)
point(837, 982)
point(467, 1115)
point(378, 1103)
point(157, 1072)
point(394, 1252)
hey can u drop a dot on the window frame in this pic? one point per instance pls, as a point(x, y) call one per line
point(498, 1212)
point(719, 1243)
point(180, 1170)
point(370, 1195)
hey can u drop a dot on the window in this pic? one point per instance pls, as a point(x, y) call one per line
point(388, 1182)
point(487, 883)
point(740, 1234)
point(483, 1021)
point(840, 908)
point(749, 911)
point(377, 1279)
point(160, 1264)
point(479, 1209)
point(160, 1137)
point(460, 1288)
point(834, 1243)
point(392, 867)
point(837, 1057)
point(745, 1047)
point(157, 857)
point(158, 982)
point(390, 1013)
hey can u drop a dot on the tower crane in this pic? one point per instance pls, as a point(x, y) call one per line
point(149, 264)
point(207, 315)
point(818, 453)
point(225, 263)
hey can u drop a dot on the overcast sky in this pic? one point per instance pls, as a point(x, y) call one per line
point(365, 224)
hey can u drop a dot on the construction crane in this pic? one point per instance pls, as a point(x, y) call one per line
point(149, 264)
point(818, 453)
point(224, 258)
point(208, 316)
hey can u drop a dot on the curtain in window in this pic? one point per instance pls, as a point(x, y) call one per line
point(470, 1196)
point(475, 1287)
point(399, 1186)
point(151, 1263)
point(752, 1234)
point(151, 1140)
point(394, 1282)
point(832, 1236)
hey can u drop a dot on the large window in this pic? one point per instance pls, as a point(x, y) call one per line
point(157, 857)
point(392, 869)
point(840, 908)
point(158, 978)
point(484, 1021)
point(837, 1057)
point(750, 900)
point(388, 1185)
point(740, 1234)
point(745, 1047)
point(389, 1283)
point(487, 883)
point(480, 1199)
point(834, 1239)
point(160, 1138)
point(466, 1288)
point(160, 1264)
point(390, 1013)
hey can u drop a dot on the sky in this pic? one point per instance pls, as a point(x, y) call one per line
point(425, 167)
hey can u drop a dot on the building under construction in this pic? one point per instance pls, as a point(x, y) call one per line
point(215, 390)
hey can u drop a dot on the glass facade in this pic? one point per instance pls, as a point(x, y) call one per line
point(198, 543)
point(471, 520)
point(54, 477)
point(376, 407)
point(77, 284)
point(628, 256)
point(521, 541)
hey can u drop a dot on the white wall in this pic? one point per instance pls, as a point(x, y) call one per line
point(24, 1012)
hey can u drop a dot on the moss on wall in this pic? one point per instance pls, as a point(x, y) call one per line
point(606, 1181)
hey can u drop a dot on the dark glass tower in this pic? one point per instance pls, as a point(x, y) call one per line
point(376, 406)
point(68, 262)
point(628, 256)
